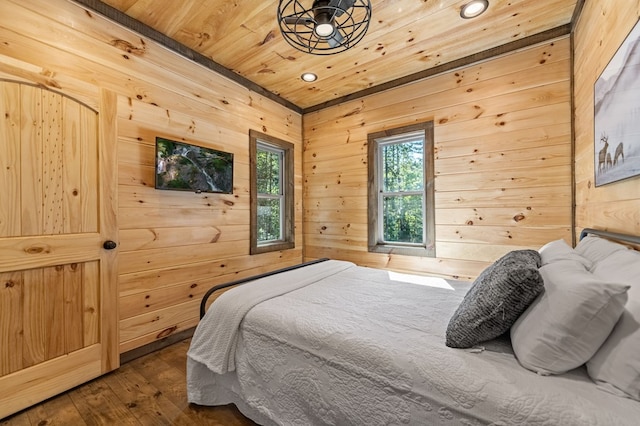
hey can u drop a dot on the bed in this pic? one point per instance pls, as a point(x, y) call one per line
point(333, 343)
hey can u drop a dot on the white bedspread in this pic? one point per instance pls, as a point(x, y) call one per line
point(360, 347)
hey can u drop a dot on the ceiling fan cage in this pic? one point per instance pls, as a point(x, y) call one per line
point(298, 24)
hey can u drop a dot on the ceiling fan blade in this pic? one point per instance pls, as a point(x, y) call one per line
point(341, 6)
point(298, 20)
point(335, 39)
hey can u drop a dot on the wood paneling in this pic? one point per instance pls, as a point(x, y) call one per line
point(402, 39)
point(600, 30)
point(502, 162)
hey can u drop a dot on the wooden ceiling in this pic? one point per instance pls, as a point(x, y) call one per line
point(405, 40)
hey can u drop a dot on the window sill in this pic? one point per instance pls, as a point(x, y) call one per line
point(275, 246)
point(403, 250)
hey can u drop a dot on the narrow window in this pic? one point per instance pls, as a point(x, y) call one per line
point(401, 198)
point(272, 204)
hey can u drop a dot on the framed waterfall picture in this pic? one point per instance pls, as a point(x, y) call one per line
point(617, 114)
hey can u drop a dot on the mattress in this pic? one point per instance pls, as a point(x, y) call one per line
point(366, 347)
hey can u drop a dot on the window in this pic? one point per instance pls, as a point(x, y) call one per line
point(272, 204)
point(401, 196)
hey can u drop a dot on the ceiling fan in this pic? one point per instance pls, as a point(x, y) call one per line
point(328, 27)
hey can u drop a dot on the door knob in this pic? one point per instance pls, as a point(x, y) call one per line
point(109, 245)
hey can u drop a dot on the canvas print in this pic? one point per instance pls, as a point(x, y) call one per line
point(617, 114)
point(185, 167)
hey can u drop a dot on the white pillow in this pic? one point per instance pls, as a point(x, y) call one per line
point(569, 321)
point(596, 248)
point(560, 250)
point(616, 365)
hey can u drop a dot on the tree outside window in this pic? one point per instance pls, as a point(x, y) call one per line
point(401, 199)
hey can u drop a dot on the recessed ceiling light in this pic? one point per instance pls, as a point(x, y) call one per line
point(309, 77)
point(474, 8)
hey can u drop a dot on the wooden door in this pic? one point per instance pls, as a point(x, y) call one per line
point(58, 295)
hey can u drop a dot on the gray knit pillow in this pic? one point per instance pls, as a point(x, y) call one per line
point(497, 298)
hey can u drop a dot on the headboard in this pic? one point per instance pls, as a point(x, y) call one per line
point(633, 239)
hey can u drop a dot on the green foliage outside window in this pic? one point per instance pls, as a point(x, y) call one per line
point(402, 167)
point(403, 219)
point(403, 189)
point(269, 174)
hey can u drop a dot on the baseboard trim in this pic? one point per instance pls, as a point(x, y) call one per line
point(157, 345)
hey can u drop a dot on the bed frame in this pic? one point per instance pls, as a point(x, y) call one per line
point(611, 235)
point(203, 303)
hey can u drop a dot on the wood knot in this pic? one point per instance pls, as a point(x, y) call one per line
point(37, 249)
point(519, 217)
point(469, 222)
point(128, 47)
point(9, 284)
point(270, 36)
point(352, 112)
point(167, 331)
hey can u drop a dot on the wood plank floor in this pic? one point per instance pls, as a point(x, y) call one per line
point(150, 390)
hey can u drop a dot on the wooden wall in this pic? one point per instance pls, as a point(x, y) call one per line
point(502, 162)
point(600, 30)
point(172, 245)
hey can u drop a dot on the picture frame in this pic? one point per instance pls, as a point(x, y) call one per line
point(617, 114)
